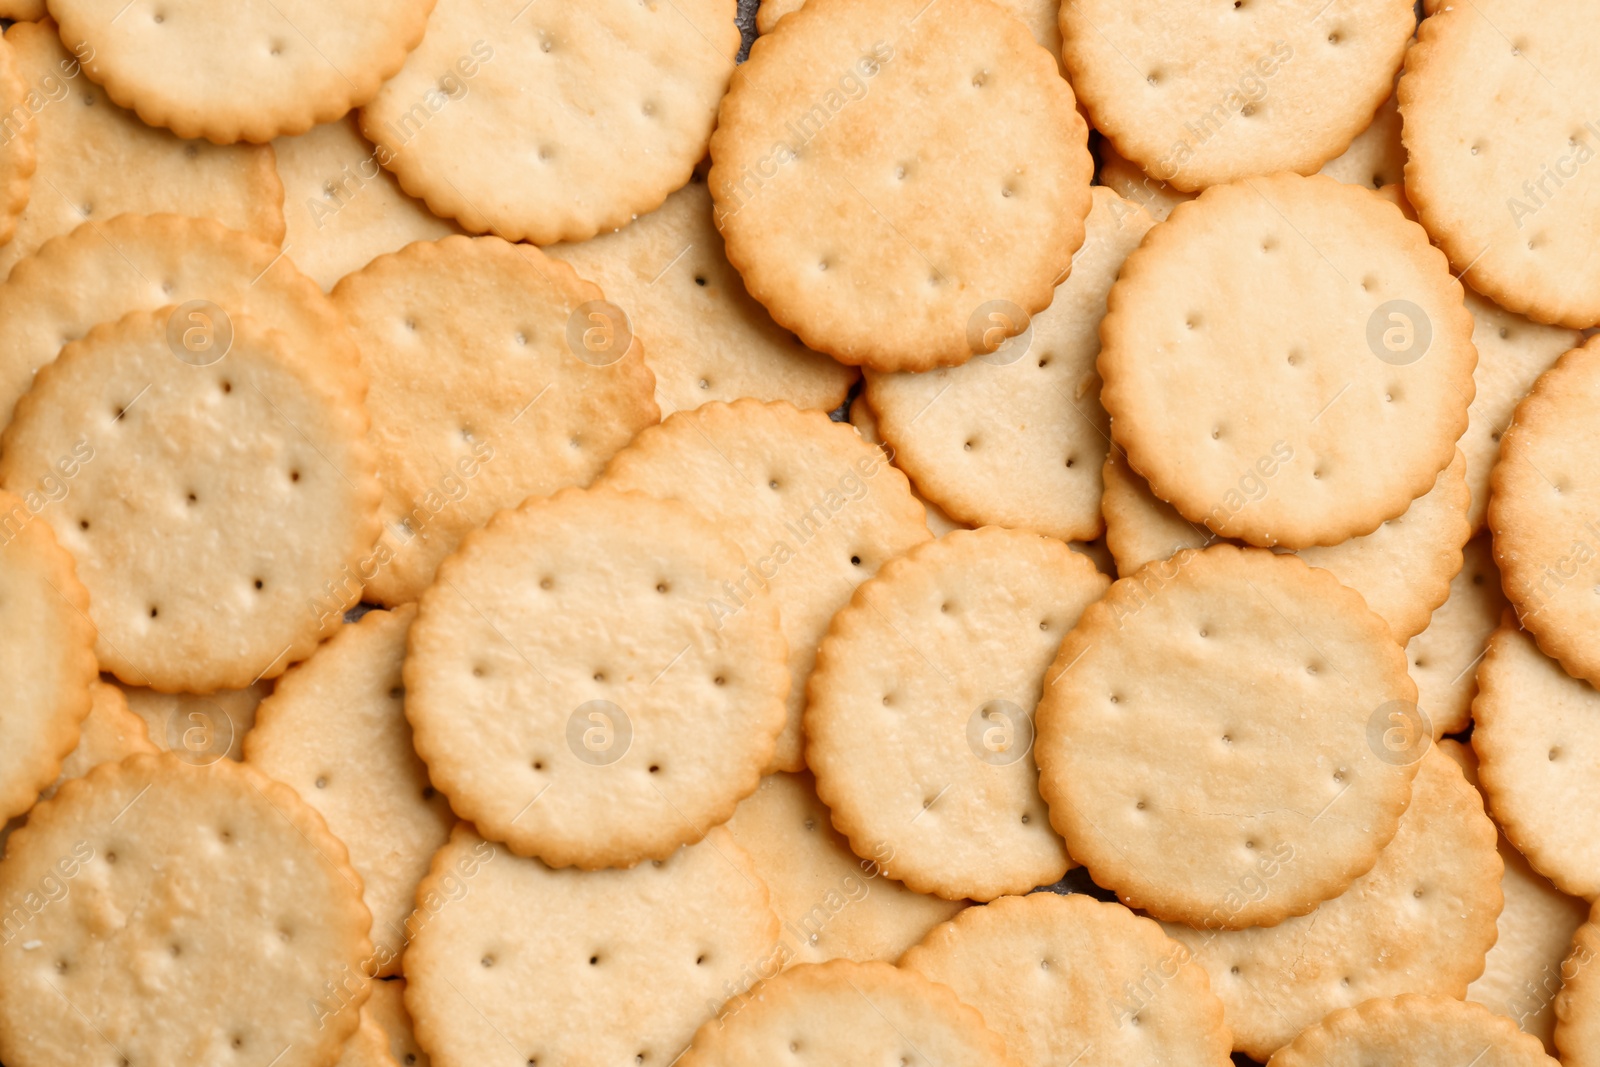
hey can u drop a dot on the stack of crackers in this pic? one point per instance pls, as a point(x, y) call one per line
point(885, 532)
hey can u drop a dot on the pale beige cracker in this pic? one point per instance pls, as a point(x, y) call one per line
point(1255, 748)
point(704, 336)
point(46, 649)
point(1403, 569)
point(367, 1047)
point(484, 391)
point(1523, 972)
point(334, 729)
point(1070, 979)
point(222, 720)
point(846, 1012)
point(97, 161)
point(1537, 736)
point(1017, 437)
point(1499, 134)
point(386, 1007)
point(885, 173)
point(210, 503)
point(1267, 341)
point(1038, 15)
point(1202, 95)
point(573, 693)
point(1444, 657)
point(17, 155)
point(1374, 159)
point(1512, 353)
point(1412, 1031)
point(241, 72)
point(341, 209)
point(612, 104)
point(866, 424)
point(23, 10)
point(1544, 512)
point(110, 733)
point(610, 966)
point(920, 713)
point(102, 270)
point(815, 508)
point(1578, 1005)
point(146, 885)
point(832, 903)
point(1421, 920)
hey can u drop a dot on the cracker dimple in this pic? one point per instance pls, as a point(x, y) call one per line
point(1118, 746)
point(1421, 920)
point(1381, 354)
point(921, 710)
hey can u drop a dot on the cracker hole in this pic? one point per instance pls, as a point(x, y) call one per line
point(545, 583)
point(1417, 893)
point(83, 524)
point(1476, 148)
point(773, 484)
point(719, 680)
point(704, 384)
point(294, 476)
point(1554, 752)
point(322, 782)
point(1044, 361)
point(1335, 37)
point(855, 561)
point(1025, 819)
point(599, 676)
point(238, 1041)
point(1071, 460)
point(154, 611)
point(1153, 78)
point(227, 386)
point(663, 588)
point(980, 79)
point(522, 338)
point(655, 768)
point(594, 961)
point(259, 584)
point(111, 857)
point(945, 607)
point(487, 962)
point(1139, 806)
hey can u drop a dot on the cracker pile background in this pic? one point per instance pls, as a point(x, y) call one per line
point(1010, 533)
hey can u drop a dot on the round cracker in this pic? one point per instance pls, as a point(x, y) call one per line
point(386, 1007)
point(1253, 749)
point(920, 713)
point(1523, 972)
point(97, 161)
point(846, 1012)
point(612, 105)
point(1497, 131)
point(626, 716)
point(341, 209)
point(1537, 735)
point(815, 508)
point(103, 270)
point(1444, 657)
point(110, 733)
point(1402, 569)
point(480, 396)
point(334, 730)
point(1512, 353)
point(1544, 494)
point(1421, 920)
point(1302, 288)
point(887, 172)
point(241, 72)
point(165, 877)
point(46, 652)
point(552, 963)
point(1199, 95)
point(1018, 437)
point(211, 506)
point(1412, 1031)
point(1578, 1006)
point(866, 424)
point(704, 337)
point(1069, 979)
point(222, 719)
point(833, 905)
point(17, 156)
